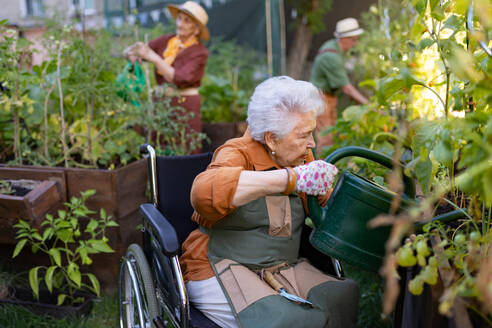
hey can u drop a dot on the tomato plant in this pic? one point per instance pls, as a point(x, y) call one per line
point(431, 85)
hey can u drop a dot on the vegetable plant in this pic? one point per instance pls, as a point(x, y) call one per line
point(431, 86)
point(69, 243)
point(232, 72)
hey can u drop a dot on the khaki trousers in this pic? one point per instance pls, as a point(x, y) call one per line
point(324, 121)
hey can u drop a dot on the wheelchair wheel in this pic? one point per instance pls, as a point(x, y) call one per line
point(137, 300)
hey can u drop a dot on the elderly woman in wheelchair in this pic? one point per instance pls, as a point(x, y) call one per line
point(250, 207)
point(245, 258)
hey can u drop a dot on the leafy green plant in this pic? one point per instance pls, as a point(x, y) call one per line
point(232, 72)
point(432, 92)
point(166, 124)
point(69, 246)
point(222, 102)
point(465, 247)
point(5, 187)
point(65, 111)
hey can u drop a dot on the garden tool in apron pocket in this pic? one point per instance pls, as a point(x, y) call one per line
point(270, 279)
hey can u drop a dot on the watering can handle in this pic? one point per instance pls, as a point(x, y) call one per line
point(375, 157)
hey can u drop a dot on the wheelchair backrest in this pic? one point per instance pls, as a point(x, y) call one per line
point(175, 175)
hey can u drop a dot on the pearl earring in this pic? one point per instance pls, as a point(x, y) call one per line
point(273, 153)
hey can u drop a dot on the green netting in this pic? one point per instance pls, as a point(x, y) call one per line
point(243, 21)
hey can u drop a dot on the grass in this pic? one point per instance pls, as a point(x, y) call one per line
point(104, 314)
point(371, 297)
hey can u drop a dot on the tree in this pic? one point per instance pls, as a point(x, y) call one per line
point(309, 22)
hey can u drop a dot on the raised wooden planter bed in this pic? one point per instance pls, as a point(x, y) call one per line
point(119, 192)
point(220, 132)
point(44, 198)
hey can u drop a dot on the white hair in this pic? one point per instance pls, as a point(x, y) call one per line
point(274, 103)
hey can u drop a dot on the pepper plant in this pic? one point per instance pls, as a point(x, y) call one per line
point(69, 244)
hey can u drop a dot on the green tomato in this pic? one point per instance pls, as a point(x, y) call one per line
point(459, 239)
point(405, 257)
point(475, 236)
point(416, 286)
point(433, 262)
point(422, 248)
point(421, 260)
point(429, 275)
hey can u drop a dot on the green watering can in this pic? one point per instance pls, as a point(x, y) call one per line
point(340, 227)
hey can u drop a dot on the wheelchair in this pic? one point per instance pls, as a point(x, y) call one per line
point(151, 288)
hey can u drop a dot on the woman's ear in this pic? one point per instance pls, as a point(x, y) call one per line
point(270, 141)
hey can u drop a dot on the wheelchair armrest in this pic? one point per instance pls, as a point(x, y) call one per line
point(164, 231)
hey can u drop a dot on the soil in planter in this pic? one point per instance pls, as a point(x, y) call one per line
point(19, 187)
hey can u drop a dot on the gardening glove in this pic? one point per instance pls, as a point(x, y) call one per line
point(315, 178)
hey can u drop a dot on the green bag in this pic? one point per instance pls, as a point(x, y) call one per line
point(130, 82)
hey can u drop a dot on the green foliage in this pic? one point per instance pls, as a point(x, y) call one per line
point(466, 247)
point(232, 72)
point(222, 103)
point(5, 187)
point(431, 89)
point(69, 246)
point(74, 86)
point(312, 11)
point(370, 297)
point(166, 123)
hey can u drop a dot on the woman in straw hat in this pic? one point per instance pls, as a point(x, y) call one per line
point(180, 58)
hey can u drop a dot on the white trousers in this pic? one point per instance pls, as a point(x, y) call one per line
point(208, 297)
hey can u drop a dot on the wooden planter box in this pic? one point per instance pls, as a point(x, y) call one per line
point(220, 132)
point(120, 192)
point(32, 207)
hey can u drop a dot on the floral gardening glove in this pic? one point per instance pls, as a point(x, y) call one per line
point(315, 178)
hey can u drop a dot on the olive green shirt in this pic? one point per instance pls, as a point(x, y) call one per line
point(328, 71)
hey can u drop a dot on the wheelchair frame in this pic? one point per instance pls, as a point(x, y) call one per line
point(140, 307)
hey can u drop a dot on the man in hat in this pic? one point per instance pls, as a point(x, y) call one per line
point(330, 76)
point(179, 59)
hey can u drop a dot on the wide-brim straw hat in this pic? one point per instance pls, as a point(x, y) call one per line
point(348, 27)
point(197, 12)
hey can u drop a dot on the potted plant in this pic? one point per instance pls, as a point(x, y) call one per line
point(69, 240)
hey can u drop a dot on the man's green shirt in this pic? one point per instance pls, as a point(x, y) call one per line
point(328, 71)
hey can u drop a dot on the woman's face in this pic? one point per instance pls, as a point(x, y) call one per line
point(293, 148)
point(186, 26)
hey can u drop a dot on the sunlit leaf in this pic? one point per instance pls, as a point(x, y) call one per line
point(61, 299)
point(95, 283)
point(55, 254)
point(48, 278)
point(34, 281)
point(74, 273)
point(425, 43)
point(20, 245)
